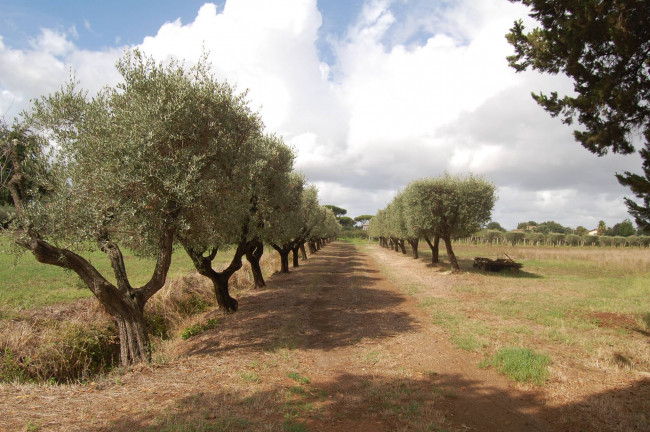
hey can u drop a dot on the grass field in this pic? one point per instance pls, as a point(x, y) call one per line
point(580, 305)
point(26, 283)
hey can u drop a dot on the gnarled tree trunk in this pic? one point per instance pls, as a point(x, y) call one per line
point(203, 265)
point(254, 255)
point(283, 251)
point(400, 242)
point(435, 248)
point(455, 268)
point(123, 302)
point(414, 247)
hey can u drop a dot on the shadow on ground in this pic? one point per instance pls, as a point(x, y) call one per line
point(467, 265)
point(335, 302)
point(331, 302)
point(362, 403)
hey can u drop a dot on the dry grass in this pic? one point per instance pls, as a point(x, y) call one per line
point(587, 308)
point(75, 341)
point(58, 344)
point(590, 306)
point(608, 260)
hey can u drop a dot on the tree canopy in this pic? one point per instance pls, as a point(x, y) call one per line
point(445, 207)
point(495, 226)
point(338, 211)
point(168, 154)
point(604, 47)
point(363, 218)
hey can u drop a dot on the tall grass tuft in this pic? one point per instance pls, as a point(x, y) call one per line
point(63, 343)
point(520, 364)
point(75, 341)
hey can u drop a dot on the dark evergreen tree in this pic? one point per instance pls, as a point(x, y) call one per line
point(604, 47)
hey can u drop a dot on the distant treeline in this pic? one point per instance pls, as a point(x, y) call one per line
point(497, 237)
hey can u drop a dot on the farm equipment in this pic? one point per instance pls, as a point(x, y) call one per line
point(496, 265)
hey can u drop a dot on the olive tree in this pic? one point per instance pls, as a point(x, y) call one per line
point(325, 225)
point(236, 215)
point(417, 216)
point(292, 225)
point(377, 228)
point(395, 224)
point(127, 168)
point(401, 226)
point(454, 207)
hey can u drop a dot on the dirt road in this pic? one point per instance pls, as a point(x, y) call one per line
point(332, 346)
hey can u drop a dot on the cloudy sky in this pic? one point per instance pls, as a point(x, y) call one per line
point(371, 93)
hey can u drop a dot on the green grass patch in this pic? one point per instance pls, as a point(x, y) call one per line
point(466, 342)
point(250, 376)
point(291, 425)
point(412, 289)
point(298, 378)
point(298, 390)
point(427, 302)
point(372, 357)
point(26, 283)
point(199, 328)
point(520, 364)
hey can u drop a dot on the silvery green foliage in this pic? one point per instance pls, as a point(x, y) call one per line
point(395, 222)
point(377, 225)
point(324, 224)
point(272, 188)
point(166, 146)
point(288, 220)
point(454, 206)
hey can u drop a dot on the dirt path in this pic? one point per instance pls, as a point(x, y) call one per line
point(332, 346)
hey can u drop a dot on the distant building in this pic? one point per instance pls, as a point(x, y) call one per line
point(365, 226)
point(593, 232)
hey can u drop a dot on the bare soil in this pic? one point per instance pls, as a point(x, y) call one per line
point(332, 346)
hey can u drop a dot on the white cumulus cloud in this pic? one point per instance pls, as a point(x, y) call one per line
point(414, 89)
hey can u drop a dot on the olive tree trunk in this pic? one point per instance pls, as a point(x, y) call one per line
point(220, 280)
point(254, 255)
point(283, 251)
point(435, 248)
point(455, 268)
point(124, 303)
point(414, 247)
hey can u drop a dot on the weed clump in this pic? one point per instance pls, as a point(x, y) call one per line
point(199, 328)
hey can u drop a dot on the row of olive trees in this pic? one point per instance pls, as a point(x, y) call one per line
point(447, 207)
point(553, 239)
point(169, 156)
